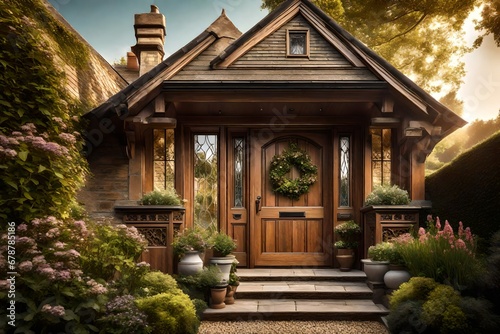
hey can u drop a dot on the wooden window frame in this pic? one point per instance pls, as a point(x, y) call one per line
point(306, 54)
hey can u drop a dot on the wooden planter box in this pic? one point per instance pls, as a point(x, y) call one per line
point(158, 224)
point(384, 222)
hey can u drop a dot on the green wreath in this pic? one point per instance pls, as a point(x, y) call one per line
point(282, 164)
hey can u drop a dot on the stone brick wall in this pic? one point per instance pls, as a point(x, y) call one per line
point(109, 180)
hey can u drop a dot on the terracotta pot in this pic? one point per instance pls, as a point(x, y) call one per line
point(190, 263)
point(375, 270)
point(231, 290)
point(217, 296)
point(396, 276)
point(346, 258)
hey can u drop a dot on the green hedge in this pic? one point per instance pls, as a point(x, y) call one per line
point(468, 189)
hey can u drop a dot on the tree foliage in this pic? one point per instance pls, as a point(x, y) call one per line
point(490, 22)
point(423, 39)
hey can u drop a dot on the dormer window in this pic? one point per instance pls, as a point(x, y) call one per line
point(297, 44)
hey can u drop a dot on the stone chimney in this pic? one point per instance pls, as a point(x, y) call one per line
point(150, 31)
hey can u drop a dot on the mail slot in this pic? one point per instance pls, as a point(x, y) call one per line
point(284, 214)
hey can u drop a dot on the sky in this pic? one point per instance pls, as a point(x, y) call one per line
point(107, 25)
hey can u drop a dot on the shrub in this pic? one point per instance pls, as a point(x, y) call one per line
point(222, 244)
point(53, 294)
point(407, 318)
point(417, 288)
point(170, 314)
point(444, 256)
point(441, 310)
point(198, 286)
point(110, 253)
point(387, 195)
point(156, 282)
point(161, 197)
point(122, 316)
point(348, 233)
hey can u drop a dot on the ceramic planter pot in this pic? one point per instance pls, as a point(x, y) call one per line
point(190, 263)
point(375, 270)
point(396, 276)
point(346, 258)
point(224, 263)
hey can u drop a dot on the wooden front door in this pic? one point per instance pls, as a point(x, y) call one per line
point(286, 232)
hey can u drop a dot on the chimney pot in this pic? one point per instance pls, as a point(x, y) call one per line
point(154, 9)
point(132, 63)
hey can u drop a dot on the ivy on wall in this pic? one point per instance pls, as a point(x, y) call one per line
point(41, 167)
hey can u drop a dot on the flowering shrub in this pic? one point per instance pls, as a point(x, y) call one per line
point(110, 253)
point(441, 254)
point(123, 316)
point(52, 291)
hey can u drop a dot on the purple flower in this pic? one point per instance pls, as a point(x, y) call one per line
point(22, 227)
point(69, 138)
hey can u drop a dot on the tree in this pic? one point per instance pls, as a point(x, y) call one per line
point(423, 39)
point(490, 22)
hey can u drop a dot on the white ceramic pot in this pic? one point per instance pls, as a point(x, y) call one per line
point(395, 277)
point(224, 263)
point(190, 263)
point(375, 270)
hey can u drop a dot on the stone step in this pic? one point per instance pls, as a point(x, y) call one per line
point(302, 309)
point(300, 274)
point(303, 290)
point(300, 294)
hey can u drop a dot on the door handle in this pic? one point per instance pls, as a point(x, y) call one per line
point(257, 204)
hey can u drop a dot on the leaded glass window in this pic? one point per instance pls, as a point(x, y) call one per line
point(163, 158)
point(381, 156)
point(345, 170)
point(206, 175)
point(239, 164)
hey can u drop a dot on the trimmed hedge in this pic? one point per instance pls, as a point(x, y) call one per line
point(468, 189)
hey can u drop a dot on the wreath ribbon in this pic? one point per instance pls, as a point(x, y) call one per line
point(281, 165)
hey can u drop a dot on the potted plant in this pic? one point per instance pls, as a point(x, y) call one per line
point(188, 245)
point(347, 232)
point(232, 284)
point(162, 197)
point(398, 273)
point(210, 278)
point(222, 246)
point(377, 263)
point(387, 195)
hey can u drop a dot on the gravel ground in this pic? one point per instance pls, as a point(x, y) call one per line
point(292, 327)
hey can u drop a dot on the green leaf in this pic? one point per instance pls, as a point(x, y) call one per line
point(11, 183)
point(28, 196)
point(59, 175)
point(23, 155)
point(41, 168)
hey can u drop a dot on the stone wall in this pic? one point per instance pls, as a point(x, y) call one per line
point(109, 180)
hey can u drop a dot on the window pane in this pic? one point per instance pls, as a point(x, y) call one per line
point(344, 171)
point(239, 164)
point(297, 43)
point(381, 156)
point(163, 158)
point(205, 181)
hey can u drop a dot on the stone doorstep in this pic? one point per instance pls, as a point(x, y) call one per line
point(300, 294)
point(304, 309)
point(303, 290)
point(300, 274)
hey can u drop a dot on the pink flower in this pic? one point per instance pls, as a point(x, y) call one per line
point(57, 311)
point(22, 227)
point(438, 223)
point(25, 266)
point(421, 231)
point(460, 244)
point(39, 260)
point(53, 232)
point(468, 234)
point(460, 229)
point(69, 138)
